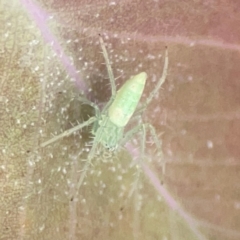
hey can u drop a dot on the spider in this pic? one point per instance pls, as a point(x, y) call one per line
point(108, 124)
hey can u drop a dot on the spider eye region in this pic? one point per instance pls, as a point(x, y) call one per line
point(110, 140)
point(108, 134)
point(110, 148)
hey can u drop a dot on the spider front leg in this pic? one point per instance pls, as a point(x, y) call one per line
point(68, 132)
point(110, 74)
point(104, 130)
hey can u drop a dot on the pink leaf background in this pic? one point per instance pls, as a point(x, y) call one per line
point(50, 54)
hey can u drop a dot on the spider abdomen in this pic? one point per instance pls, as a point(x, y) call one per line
point(126, 101)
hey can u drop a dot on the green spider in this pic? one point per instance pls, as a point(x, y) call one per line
point(109, 123)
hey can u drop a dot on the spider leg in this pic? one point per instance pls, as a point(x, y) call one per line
point(83, 174)
point(157, 87)
point(87, 163)
point(110, 74)
point(92, 104)
point(68, 132)
point(143, 128)
point(158, 144)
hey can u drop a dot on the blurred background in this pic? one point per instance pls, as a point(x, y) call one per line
point(50, 54)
